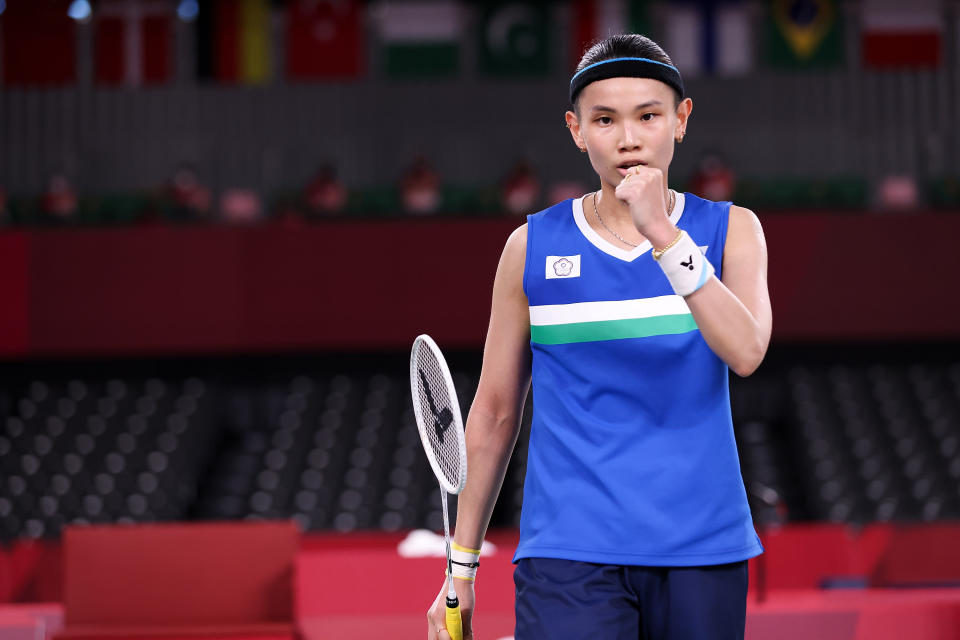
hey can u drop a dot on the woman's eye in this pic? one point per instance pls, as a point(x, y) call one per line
point(647, 117)
point(604, 120)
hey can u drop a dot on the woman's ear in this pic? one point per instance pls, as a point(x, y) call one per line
point(684, 109)
point(573, 123)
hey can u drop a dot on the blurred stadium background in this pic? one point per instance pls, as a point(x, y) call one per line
point(222, 224)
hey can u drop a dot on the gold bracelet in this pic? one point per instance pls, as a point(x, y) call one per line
point(659, 252)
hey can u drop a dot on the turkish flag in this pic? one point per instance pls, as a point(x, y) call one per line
point(133, 42)
point(39, 43)
point(325, 38)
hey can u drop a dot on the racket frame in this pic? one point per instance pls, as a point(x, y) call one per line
point(423, 341)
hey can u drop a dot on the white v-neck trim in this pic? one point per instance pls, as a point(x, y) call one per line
point(609, 248)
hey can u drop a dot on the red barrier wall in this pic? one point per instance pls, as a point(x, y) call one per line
point(375, 284)
point(798, 556)
point(358, 586)
point(179, 579)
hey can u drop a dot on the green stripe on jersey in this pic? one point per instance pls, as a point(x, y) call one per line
point(612, 329)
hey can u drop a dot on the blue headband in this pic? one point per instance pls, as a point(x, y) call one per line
point(626, 68)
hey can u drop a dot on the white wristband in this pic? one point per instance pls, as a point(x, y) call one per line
point(465, 564)
point(685, 266)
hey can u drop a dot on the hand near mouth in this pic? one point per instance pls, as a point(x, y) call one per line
point(642, 191)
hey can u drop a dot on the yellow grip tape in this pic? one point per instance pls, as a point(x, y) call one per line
point(454, 624)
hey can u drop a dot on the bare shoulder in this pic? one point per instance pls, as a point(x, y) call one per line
point(517, 242)
point(744, 229)
point(744, 218)
point(514, 254)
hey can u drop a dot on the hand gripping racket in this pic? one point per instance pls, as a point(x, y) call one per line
point(441, 431)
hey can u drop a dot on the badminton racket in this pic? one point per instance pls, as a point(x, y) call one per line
point(441, 431)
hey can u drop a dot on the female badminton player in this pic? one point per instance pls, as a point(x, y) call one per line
point(626, 308)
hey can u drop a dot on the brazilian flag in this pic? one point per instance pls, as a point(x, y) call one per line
point(804, 34)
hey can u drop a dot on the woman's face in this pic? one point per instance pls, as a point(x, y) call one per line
point(628, 121)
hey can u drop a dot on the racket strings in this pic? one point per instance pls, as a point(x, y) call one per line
point(440, 427)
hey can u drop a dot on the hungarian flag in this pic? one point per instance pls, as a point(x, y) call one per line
point(325, 39)
point(596, 19)
point(805, 34)
point(235, 41)
point(38, 43)
point(421, 38)
point(515, 38)
point(897, 35)
point(704, 37)
point(132, 42)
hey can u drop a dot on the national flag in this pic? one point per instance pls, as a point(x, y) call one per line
point(132, 42)
point(421, 38)
point(255, 28)
point(897, 35)
point(709, 37)
point(597, 19)
point(325, 38)
point(515, 37)
point(805, 34)
point(235, 41)
point(38, 43)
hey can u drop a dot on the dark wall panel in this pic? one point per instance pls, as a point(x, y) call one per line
point(14, 293)
point(372, 285)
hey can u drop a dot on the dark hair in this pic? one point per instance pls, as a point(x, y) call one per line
point(625, 45)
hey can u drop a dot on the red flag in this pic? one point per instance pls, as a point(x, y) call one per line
point(227, 23)
point(325, 38)
point(133, 42)
point(597, 19)
point(39, 43)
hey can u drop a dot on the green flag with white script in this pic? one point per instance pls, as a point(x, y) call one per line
point(514, 38)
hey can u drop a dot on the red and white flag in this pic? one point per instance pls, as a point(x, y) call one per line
point(325, 38)
point(596, 19)
point(133, 42)
point(901, 34)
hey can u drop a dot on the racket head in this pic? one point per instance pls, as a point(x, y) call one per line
point(437, 411)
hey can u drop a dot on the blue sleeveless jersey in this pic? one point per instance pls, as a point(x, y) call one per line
point(632, 458)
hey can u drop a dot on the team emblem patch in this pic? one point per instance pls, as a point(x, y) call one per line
point(563, 267)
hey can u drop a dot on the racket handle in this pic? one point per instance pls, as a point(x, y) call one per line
point(454, 624)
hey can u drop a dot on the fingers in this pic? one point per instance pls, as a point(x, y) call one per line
point(436, 624)
point(643, 174)
point(440, 633)
point(437, 631)
point(437, 613)
point(638, 180)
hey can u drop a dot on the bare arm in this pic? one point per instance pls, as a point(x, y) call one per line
point(494, 419)
point(493, 422)
point(734, 314)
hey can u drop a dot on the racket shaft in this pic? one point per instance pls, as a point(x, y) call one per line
point(454, 624)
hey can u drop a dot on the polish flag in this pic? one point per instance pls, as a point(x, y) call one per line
point(901, 34)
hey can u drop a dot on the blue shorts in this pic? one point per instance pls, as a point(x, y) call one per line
point(581, 600)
